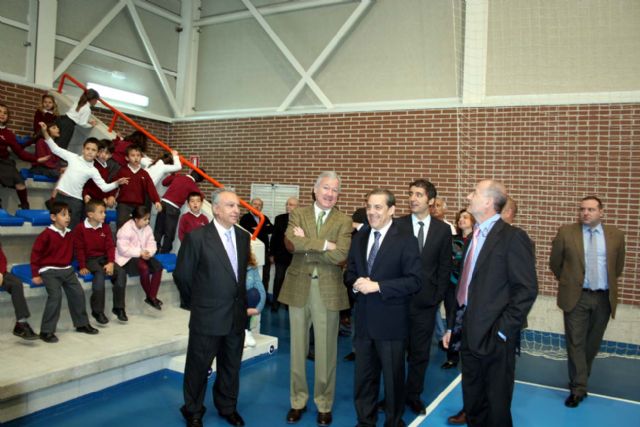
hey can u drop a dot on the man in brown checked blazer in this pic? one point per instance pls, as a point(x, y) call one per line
point(587, 258)
point(314, 290)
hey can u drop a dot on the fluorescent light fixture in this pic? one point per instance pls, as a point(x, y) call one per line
point(119, 95)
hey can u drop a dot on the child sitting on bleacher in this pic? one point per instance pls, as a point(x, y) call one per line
point(135, 248)
point(138, 188)
point(13, 285)
point(193, 218)
point(80, 169)
point(52, 168)
point(9, 175)
point(51, 258)
point(47, 112)
point(96, 254)
point(108, 169)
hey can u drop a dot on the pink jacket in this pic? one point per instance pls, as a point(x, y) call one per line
point(131, 241)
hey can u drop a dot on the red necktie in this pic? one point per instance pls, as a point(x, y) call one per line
point(463, 287)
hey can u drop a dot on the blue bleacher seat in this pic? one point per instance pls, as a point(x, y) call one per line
point(25, 173)
point(23, 272)
point(9, 220)
point(111, 217)
point(35, 216)
point(168, 261)
point(23, 140)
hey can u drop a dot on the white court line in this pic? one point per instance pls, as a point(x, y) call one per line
point(433, 405)
point(619, 399)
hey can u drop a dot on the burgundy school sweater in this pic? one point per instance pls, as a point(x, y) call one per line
point(8, 140)
point(3, 262)
point(51, 250)
point(189, 222)
point(90, 242)
point(42, 116)
point(42, 149)
point(179, 189)
point(140, 183)
point(92, 190)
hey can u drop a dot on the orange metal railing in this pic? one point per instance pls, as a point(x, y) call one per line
point(118, 114)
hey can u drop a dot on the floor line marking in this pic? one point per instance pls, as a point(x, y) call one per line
point(433, 405)
point(603, 396)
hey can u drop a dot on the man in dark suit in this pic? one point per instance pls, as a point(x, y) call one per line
point(249, 222)
point(497, 288)
point(435, 246)
point(210, 274)
point(384, 270)
point(587, 258)
point(281, 256)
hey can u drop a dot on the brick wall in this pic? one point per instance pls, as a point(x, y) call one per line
point(548, 156)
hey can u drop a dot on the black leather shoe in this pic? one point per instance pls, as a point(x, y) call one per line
point(573, 400)
point(159, 302)
point(324, 419)
point(417, 406)
point(380, 405)
point(311, 356)
point(191, 420)
point(24, 331)
point(449, 365)
point(100, 317)
point(459, 419)
point(120, 314)
point(87, 329)
point(294, 415)
point(49, 337)
point(349, 357)
point(153, 303)
point(234, 419)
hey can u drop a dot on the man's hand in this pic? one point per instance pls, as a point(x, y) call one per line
point(331, 246)
point(84, 271)
point(37, 280)
point(108, 269)
point(446, 339)
point(252, 312)
point(366, 286)
point(298, 231)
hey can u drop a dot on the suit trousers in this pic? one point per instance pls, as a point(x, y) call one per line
point(325, 325)
point(421, 325)
point(373, 358)
point(55, 281)
point(13, 285)
point(487, 384)
point(584, 328)
point(119, 280)
point(201, 350)
point(166, 226)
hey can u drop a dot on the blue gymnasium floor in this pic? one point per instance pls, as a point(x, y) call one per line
point(154, 400)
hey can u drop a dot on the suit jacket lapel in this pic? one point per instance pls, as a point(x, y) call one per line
point(383, 246)
point(363, 248)
point(489, 243)
point(611, 255)
point(578, 241)
point(220, 250)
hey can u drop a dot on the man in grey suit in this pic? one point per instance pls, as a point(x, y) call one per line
point(314, 290)
point(587, 258)
point(210, 273)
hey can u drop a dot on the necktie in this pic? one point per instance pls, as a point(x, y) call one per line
point(592, 260)
point(463, 286)
point(231, 251)
point(319, 222)
point(420, 236)
point(374, 251)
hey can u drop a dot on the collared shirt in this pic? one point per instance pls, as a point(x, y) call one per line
point(222, 231)
point(485, 227)
point(372, 238)
point(603, 281)
point(416, 226)
point(87, 224)
point(62, 233)
point(316, 211)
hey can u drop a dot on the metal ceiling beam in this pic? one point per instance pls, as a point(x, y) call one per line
point(45, 46)
point(15, 24)
point(156, 10)
point(269, 10)
point(188, 43)
point(288, 55)
point(326, 52)
point(157, 67)
point(97, 29)
point(476, 35)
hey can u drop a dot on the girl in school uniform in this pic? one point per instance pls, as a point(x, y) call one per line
point(135, 248)
point(47, 112)
point(80, 116)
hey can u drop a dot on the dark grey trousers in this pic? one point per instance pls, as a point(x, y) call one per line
point(119, 280)
point(55, 281)
point(13, 285)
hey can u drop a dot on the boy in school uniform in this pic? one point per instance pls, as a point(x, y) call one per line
point(193, 218)
point(51, 258)
point(166, 223)
point(107, 169)
point(96, 252)
point(80, 169)
point(13, 286)
point(140, 184)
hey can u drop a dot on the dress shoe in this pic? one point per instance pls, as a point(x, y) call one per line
point(458, 419)
point(49, 337)
point(573, 400)
point(233, 418)
point(159, 302)
point(349, 357)
point(324, 418)
point(417, 406)
point(191, 420)
point(294, 415)
point(24, 331)
point(120, 314)
point(100, 317)
point(449, 364)
point(380, 405)
point(153, 303)
point(311, 356)
point(87, 329)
